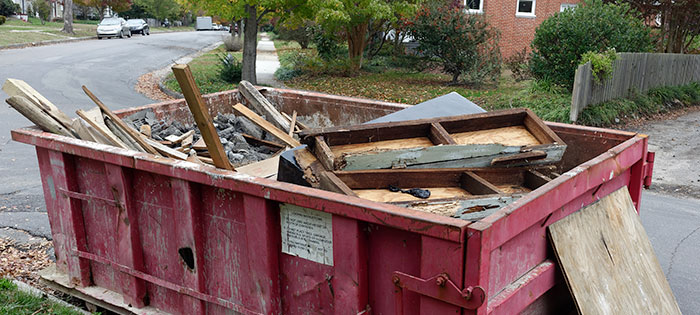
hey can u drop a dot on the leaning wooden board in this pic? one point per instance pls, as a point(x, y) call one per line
point(608, 262)
point(515, 137)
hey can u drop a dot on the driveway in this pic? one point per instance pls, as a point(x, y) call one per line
point(109, 68)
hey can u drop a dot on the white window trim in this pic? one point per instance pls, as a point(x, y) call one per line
point(524, 14)
point(479, 11)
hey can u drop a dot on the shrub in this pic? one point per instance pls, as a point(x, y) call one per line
point(300, 35)
point(463, 43)
point(230, 68)
point(2, 19)
point(43, 9)
point(233, 43)
point(518, 64)
point(563, 38)
point(326, 44)
point(8, 8)
point(601, 63)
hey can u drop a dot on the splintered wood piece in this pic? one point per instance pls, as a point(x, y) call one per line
point(15, 87)
point(608, 261)
point(201, 115)
point(520, 157)
point(145, 130)
point(82, 130)
point(167, 151)
point(42, 119)
point(328, 181)
point(94, 118)
point(187, 141)
point(206, 160)
point(130, 143)
point(266, 168)
point(262, 105)
point(324, 153)
point(264, 124)
point(178, 139)
point(300, 125)
point(135, 136)
point(477, 185)
point(293, 123)
point(309, 165)
point(438, 135)
point(192, 157)
point(199, 144)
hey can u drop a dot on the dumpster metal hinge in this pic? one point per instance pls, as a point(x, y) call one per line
point(649, 169)
point(439, 287)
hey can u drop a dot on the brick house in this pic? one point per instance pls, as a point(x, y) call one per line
point(516, 19)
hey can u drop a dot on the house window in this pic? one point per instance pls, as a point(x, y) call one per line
point(565, 6)
point(526, 8)
point(474, 6)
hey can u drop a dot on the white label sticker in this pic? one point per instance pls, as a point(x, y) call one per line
point(307, 233)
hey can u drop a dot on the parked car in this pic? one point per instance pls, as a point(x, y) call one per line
point(138, 26)
point(113, 27)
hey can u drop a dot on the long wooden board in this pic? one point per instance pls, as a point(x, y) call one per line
point(94, 118)
point(201, 115)
point(608, 261)
point(262, 105)
point(256, 119)
point(38, 116)
point(15, 87)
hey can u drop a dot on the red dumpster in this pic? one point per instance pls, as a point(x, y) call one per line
point(143, 234)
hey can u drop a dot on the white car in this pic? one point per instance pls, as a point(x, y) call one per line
point(113, 27)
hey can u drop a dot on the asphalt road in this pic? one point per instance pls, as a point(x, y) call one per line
point(110, 68)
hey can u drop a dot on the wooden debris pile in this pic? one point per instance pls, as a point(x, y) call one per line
point(225, 141)
point(462, 166)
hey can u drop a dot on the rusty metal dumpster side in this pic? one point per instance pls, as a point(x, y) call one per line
point(190, 239)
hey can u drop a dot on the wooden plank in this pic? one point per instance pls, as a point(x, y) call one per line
point(407, 143)
point(39, 117)
point(324, 154)
point(260, 142)
point(166, 151)
point(438, 135)
point(266, 168)
point(81, 129)
point(201, 115)
point(135, 135)
point(328, 181)
point(477, 185)
point(130, 143)
point(299, 124)
point(608, 261)
point(385, 195)
point(262, 105)
point(94, 118)
point(520, 157)
point(513, 135)
point(256, 119)
point(15, 87)
point(293, 123)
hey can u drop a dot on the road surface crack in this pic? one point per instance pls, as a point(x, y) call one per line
point(675, 250)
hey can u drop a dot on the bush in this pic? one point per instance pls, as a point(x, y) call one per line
point(563, 38)
point(2, 19)
point(230, 68)
point(326, 44)
point(8, 8)
point(300, 35)
point(463, 43)
point(233, 43)
point(43, 9)
point(519, 66)
point(601, 63)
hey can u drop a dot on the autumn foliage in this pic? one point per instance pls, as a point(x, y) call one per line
point(463, 44)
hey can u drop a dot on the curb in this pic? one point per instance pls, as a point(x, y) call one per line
point(168, 91)
point(46, 42)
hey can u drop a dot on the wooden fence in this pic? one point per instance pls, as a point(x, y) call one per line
point(632, 72)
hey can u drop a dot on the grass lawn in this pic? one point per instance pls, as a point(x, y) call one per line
point(15, 302)
point(17, 31)
point(205, 70)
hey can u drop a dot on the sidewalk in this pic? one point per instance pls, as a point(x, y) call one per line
point(267, 63)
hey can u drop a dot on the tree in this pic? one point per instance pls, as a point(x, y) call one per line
point(679, 21)
point(68, 17)
point(463, 43)
point(101, 5)
point(8, 8)
point(352, 18)
point(252, 12)
point(563, 38)
point(43, 10)
point(159, 9)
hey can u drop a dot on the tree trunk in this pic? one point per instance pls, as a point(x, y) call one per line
point(250, 44)
point(357, 40)
point(68, 17)
point(455, 78)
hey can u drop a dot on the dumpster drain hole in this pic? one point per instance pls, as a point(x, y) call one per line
point(187, 256)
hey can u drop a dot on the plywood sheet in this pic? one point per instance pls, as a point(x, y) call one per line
point(608, 262)
point(408, 143)
point(384, 195)
point(511, 136)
